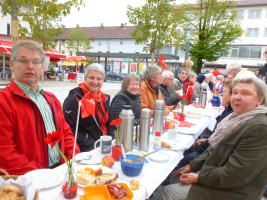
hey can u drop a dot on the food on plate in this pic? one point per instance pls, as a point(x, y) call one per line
point(134, 185)
point(171, 121)
point(107, 161)
point(192, 113)
point(165, 145)
point(117, 191)
point(11, 192)
point(88, 176)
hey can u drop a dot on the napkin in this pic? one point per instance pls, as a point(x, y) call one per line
point(25, 184)
point(186, 124)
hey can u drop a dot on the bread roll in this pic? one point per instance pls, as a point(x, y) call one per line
point(12, 188)
point(106, 178)
point(86, 180)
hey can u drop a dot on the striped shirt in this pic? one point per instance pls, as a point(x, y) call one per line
point(38, 98)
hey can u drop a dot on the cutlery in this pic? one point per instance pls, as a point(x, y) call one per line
point(150, 153)
point(123, 153)
point(87, 157)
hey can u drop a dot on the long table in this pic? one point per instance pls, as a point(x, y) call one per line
point(153, 173)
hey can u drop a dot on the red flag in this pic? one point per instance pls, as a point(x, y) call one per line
point(87, 106)
point(161, 61)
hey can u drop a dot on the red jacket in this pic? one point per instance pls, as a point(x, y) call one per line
point(22, 132)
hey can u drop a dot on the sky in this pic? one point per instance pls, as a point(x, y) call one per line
point(108, 12)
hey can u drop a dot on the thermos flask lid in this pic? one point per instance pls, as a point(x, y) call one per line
point(159, 105)
point(145, 113)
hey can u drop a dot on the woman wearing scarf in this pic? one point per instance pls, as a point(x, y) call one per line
point(234, 166)
point(94, 117)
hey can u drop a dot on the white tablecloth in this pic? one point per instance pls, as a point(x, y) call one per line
point(153, 173)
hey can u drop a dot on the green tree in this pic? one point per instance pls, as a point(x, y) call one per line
point(78, 40)
point(214, 23)
point(155, 24)
point(43, 17)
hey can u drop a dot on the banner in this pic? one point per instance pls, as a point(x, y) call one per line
point(125, 67)
point(161, 61)
point(133, 68)
point(116, 68)
point(142, 68)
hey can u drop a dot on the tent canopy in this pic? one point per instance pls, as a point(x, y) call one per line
point(5, 46)
point(73, 63)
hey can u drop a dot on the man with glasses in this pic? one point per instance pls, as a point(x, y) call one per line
point(28, 114)
point(167, 80)
point(178, 83)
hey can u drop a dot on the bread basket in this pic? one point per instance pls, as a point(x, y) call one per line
point(6, 176)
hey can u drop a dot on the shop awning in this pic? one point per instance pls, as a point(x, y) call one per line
point(5, 46)
point(73, 63)
point(55, 55)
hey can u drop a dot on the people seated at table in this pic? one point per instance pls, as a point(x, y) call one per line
point(188, 64)
point(197, 88)
point(178, 82)
point(28, 114)
point(234, 166)
point(167, 80)
point(128, 95)
point(94, 116)
point(150, 91)
point(202, 143)
point(189, 86)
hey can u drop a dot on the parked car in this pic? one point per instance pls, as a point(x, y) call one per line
point(115, 76)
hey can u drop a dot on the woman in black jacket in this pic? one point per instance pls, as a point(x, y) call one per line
point(94, 119)
point(128, 95)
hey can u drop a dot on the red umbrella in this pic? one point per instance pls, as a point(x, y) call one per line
point(76, 58)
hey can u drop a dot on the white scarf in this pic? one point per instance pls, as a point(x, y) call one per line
point(229, 123)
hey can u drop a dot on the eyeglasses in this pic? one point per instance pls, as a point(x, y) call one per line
point(35, 63)
point(170, 79)
point(133, 84)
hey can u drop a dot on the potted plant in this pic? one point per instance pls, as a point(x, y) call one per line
point(116, 149)
point(52, 73)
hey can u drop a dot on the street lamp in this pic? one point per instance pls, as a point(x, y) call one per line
point(187, 44)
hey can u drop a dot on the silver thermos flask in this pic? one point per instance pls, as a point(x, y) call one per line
point(126, 128)
point(158, 118)
point(203, 97)
point(144, 132)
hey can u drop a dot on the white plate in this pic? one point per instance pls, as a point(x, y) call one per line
point(46, 178)
point(96, 158)
point(175, 145)
point(186, 131)
point(159, 156)
point(193, 116)
point(138, 153)
point(94, 167)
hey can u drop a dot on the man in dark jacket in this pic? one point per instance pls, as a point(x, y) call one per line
point(167, 80)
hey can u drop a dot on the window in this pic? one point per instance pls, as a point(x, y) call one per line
point(121, 41)
point(234, 53)
point(254, 14)
point(265, 32)
point(245, 52)
point(99, 42)
point(252, 32)
point(8, 29)
point(108, 42)
point(241, 14)
point(63, 42)
point(255, 52)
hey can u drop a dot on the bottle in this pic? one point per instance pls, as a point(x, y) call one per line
point(158, 120)
point(203, 97)
point(126, 128)
point(157, 141)
point(144, 130)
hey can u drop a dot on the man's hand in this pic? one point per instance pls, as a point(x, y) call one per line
point(182, 170)
point(198, 142)
point(189, 178)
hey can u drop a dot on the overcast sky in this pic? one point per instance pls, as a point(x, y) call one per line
point(108, 12)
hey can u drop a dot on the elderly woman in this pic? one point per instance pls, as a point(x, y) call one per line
point(127, 96)
point(94, 117)
point(234, 166)
point(150, 91)
point(235, 70)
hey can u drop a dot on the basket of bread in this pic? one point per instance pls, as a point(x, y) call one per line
point(11, 191)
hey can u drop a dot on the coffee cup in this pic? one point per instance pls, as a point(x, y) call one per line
point(105, 144)
point(171, 134)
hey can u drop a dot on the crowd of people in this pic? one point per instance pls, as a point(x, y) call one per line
point(227, 163)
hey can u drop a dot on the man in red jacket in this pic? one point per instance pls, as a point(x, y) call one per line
point(28, 114)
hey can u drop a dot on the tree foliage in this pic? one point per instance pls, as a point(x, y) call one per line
point(155, 24)
point(214, 23)
point(43, 17)
point(78, 40)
